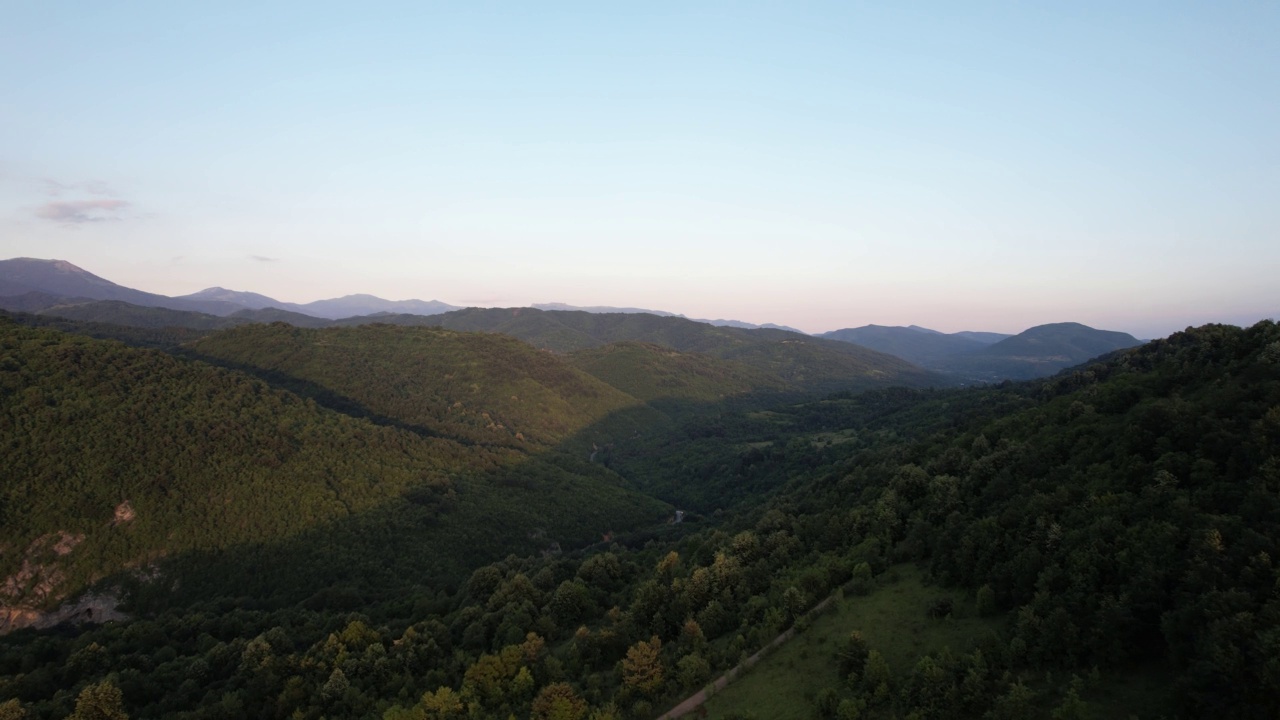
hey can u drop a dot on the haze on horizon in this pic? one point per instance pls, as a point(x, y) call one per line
point(818, 165)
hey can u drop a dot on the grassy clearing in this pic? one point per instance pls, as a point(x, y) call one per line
point(824, 439)
point(893, 619)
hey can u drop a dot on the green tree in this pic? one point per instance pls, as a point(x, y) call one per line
point(642, 667)
point(12, 710)
point(102, 701)
point(986, 601)
point(693, 670)
point(558, 701)
point(443, 704)
point(852, 657)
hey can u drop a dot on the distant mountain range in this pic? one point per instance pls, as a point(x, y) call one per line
point(60, 289)
point(660, 313)
point(32, 285)
point(916, 344)
point(801, 361)
point(988, 357)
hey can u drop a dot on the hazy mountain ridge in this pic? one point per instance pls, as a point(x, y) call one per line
point(990, 357)
point(35, 301)
point(801, 361)
point(64, 283)
point(661, 313)
point(361, 304)
point(250, 300)
point(1039, 351)
point(921, 346)
point(55, 287)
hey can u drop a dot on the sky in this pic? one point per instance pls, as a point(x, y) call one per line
point(961, 166)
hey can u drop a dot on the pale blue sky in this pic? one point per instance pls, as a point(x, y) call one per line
point(820, 165)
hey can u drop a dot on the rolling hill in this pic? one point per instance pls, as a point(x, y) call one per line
point(1038, 352)
point(662, 377)
point(118, 457)
point(473, 387)
point(802, 362)
point(248, 300)
point(993, 546)
point(923, 347)
point(352, 305)
point(660, 313)
point(991, 357)
point(35, 301)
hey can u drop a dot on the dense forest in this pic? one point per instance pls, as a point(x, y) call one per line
point(290, 506)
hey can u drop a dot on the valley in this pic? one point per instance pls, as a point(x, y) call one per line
point(564, 514)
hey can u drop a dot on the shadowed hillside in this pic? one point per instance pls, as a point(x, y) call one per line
point(989, 357)
point(1037, 352)
point(925, 348)
point(801, 361)
point(654, 373)
point(116, 457)
point(1120, 517)
point(476, 387)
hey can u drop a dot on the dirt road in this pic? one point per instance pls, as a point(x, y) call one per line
point(695, 700)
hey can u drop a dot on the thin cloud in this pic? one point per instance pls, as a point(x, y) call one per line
point(53, 188)
point(81, 211)
point(263, 258)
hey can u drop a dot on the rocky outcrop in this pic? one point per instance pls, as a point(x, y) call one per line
point(88, 608)
point(37, 584)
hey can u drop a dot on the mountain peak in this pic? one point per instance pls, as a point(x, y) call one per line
point(59, 265)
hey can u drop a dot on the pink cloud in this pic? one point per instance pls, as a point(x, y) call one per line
point(81, 211)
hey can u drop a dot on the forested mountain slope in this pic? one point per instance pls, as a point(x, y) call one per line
point(803, 362)
point(917, 345)
point(166, 338)
point(1120, 517)
point(116, 457)
point(654, 373)
point(989, 357)
point(475, 387)
point(1125, 514)
point(1036, 352)
point(60, 278)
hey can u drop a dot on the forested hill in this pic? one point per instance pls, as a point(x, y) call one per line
point(115, 457)
point(1037, 352)
point(1125, 516)
point(475, 387)
point(990, 357)
point(1099, 544)
point(655, 374)
point(923, 347)
point(780, 360)
point(803, 362)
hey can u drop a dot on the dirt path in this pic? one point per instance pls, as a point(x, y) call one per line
point(695, 700)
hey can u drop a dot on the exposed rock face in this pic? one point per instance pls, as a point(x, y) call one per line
point(89, 608)
point(36, 585)
point(37, 580)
